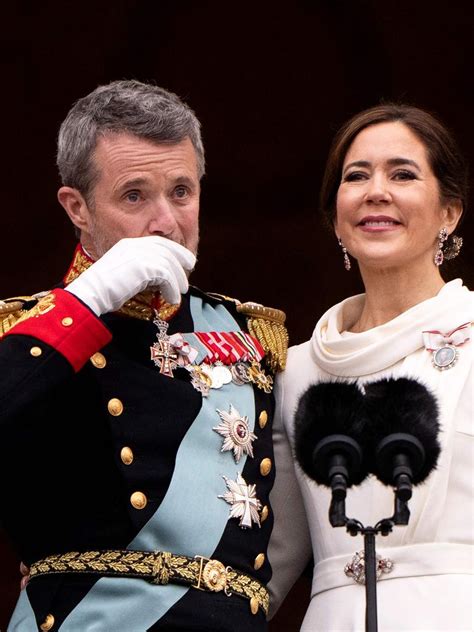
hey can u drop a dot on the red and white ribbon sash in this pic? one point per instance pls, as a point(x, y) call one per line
point(230, 347)
point(434, 339)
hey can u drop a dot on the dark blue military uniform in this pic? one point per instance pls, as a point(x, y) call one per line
point(116, 455)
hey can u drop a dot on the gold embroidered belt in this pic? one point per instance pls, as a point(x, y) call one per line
point(159, 567)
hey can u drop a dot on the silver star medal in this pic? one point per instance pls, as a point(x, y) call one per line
point(236, 432)
point(244, 501)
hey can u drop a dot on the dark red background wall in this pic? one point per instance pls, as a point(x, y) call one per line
point(270, 83)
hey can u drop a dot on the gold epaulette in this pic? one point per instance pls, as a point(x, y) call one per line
point(12, 310)
point(267, 324)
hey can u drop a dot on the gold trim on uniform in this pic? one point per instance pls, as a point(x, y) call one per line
point(161, 568)
point(12, 311)
point(79, 265)
point(12, 305)
point(140, 306)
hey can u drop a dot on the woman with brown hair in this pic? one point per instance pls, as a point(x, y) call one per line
point(394, 191)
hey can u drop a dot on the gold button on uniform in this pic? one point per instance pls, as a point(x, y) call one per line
point(47, 623)
point(254, 605)
point(67, 322)
point(126, 455)
point(265, 466)
point(259, 560)
point(138, 500)
point(98, 360)
point(262, 419)
point(115, 407)
point(36, 351)
point(264, 514)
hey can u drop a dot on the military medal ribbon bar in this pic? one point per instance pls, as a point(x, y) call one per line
point(230, 347)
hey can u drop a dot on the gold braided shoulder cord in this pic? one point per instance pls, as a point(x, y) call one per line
point(267, 325)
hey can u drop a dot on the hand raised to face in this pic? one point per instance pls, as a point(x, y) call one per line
point(131, 266)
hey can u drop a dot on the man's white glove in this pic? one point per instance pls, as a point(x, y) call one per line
point(131, 266)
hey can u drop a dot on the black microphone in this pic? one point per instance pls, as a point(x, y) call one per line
point(330, 439)
point(404, 431)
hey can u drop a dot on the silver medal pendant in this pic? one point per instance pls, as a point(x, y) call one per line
point(220, 375)
point(239, 372)
point(445, 357)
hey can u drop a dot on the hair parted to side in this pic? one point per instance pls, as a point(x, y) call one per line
point(444, 155)
point(125, 106)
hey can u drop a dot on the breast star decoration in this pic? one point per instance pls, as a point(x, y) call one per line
point(236, 432)
point(244, 501)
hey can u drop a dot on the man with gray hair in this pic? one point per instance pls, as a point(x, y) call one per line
point(142, 405)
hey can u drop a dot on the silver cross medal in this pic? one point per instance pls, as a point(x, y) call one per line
point(243, 500)
point(163, 354)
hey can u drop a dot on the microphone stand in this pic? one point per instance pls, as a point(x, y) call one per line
point(338, 518)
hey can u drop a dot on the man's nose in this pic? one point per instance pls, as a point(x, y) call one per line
point(162, 218)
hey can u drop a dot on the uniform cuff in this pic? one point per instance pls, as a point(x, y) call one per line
point(60, 320)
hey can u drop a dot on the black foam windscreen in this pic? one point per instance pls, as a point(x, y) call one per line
point(324, 410)
point(402, 406)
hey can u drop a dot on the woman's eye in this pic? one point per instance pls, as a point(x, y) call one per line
point(404, 174)
point(355, 176)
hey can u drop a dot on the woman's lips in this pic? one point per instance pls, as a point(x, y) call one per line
point(378, 223)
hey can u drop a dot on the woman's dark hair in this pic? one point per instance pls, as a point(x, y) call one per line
point(444, 156)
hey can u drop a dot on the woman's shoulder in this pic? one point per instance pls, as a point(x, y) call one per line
point(301, 371)
point(297, 355)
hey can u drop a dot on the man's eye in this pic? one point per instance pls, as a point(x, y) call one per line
point(181, 191)
point(133, 197)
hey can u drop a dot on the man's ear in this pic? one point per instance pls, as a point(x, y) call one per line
point(76, 207)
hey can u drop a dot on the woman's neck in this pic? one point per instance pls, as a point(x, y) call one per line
point(390, 292)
